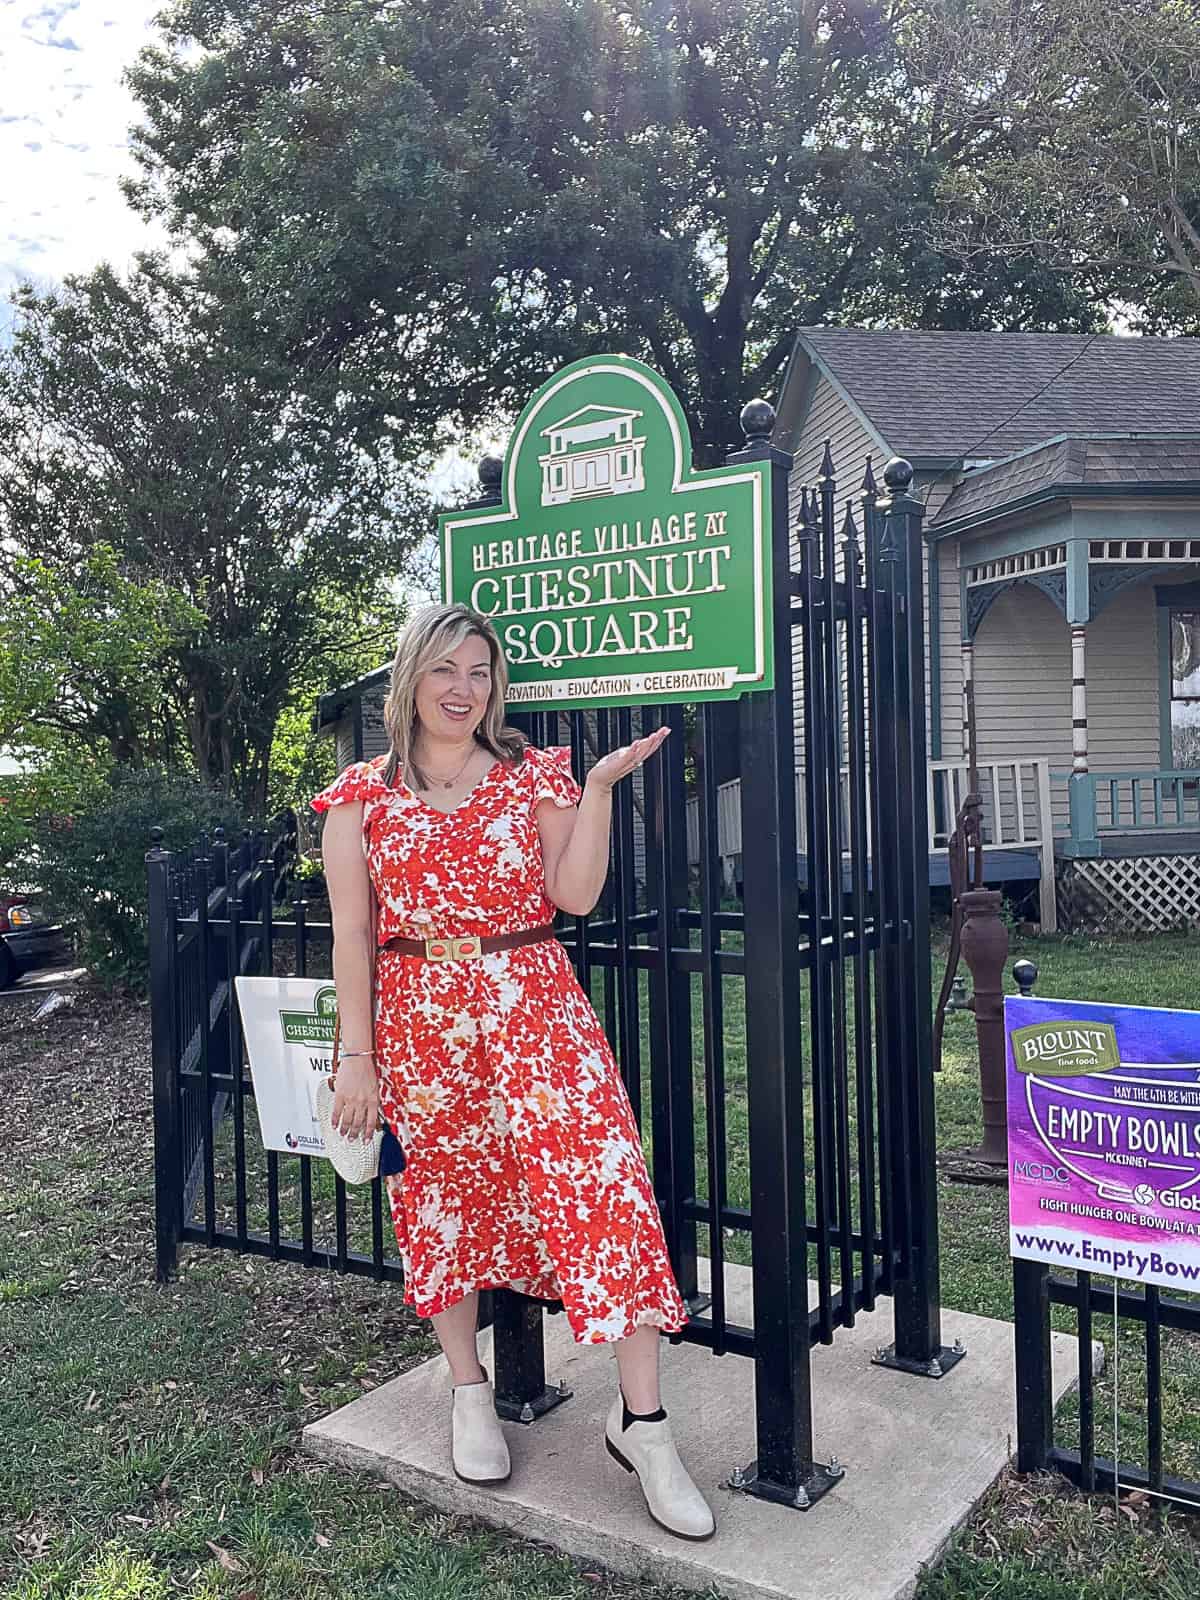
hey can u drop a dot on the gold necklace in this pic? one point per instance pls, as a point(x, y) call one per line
point(448, 783)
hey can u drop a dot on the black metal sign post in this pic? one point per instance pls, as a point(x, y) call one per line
point(784, 1470)
point(903, 816)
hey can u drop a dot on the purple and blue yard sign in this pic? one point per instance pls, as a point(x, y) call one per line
point(1104, 1139)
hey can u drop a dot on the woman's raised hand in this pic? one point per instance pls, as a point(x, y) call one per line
point(610, 769)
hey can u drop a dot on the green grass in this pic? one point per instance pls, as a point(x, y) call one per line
point(150, 1433)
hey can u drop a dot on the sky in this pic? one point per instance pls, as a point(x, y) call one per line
point(64, 121)
point(65, 116)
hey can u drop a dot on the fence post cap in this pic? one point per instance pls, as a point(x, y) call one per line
point(757, 419)
point(898, 474)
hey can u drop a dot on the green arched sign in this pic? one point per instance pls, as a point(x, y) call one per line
point(614, 574)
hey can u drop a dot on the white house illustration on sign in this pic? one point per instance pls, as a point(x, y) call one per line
point(591, 452)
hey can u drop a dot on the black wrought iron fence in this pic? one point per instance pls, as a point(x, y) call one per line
point(776, 1049)
point(210, 914)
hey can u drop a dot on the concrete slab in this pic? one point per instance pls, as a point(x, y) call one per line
point(918, 1454)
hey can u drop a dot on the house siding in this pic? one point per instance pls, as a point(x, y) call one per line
point(829, 418)
point(1023, 684)
point(375, 736)
point(343, 733)
point(950, 708)
point(1022, 676)
point(1122, 677)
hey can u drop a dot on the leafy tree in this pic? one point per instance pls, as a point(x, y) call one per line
point(252, 535)
point(302, 762)
point(1088, 134)
point(82, 652)
point(64, 781)
point(444, 203)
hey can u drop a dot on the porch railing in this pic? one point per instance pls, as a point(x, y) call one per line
point(1149, 801)
point(1016, 816)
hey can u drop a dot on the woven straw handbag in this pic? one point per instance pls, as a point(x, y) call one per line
point(354, 1160)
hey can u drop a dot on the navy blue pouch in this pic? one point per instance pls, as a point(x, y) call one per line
point(391, 1154)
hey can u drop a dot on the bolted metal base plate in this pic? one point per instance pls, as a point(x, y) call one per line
point(947, 1357)
point(816, 1483)
point(533, 1409)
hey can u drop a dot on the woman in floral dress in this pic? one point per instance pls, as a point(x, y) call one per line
point(465, 1030)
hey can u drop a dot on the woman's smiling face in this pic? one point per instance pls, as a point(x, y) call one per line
point(452, 697)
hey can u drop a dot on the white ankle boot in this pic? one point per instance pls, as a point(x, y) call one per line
point(648, 1449)
point(478, 1447)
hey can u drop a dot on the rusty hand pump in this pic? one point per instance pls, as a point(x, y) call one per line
point(978, 934)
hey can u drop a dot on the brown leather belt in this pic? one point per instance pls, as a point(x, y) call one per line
point(469, 948)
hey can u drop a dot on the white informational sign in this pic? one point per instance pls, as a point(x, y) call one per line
point(288, 1027)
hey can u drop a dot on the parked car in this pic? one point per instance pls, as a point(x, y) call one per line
point(28, 939)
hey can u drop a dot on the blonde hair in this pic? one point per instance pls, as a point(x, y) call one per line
point(433, 634)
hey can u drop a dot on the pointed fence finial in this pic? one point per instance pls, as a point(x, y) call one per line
point(852, 547)
point(868, 483)
point(826, 471)
point(806, 522)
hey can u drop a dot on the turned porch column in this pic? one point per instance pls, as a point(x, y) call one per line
point(1081, 786)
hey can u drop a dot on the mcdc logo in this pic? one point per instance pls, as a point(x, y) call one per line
point(292, 1144)
point(1041, 1172)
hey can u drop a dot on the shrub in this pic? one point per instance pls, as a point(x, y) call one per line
point(90, 862)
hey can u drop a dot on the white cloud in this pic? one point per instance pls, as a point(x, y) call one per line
point(64, 122)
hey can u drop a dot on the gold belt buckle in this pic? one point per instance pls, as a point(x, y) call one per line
point(452, 949)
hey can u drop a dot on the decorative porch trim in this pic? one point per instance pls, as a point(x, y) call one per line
point(1162, 552)
point(1016, 566)
point(979, 599)
point(1105, 583)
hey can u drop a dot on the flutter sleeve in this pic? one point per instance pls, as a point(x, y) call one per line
point(552, 777)
point(359, 782)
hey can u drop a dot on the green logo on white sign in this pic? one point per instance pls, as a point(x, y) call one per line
point(313, 1027)
point(614, 574)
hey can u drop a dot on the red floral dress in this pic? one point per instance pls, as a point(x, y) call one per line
point(524, 1165)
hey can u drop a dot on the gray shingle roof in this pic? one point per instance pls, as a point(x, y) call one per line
point(953, 394)
point(1075, 463)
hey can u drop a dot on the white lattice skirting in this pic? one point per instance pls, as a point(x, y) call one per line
point(1130, 894)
